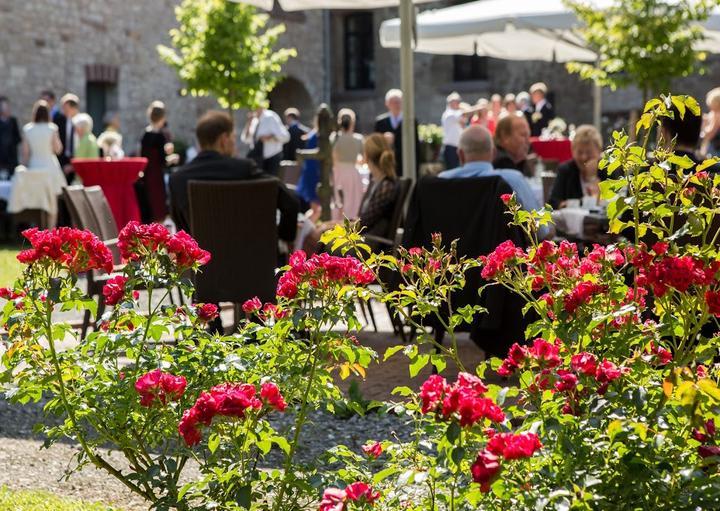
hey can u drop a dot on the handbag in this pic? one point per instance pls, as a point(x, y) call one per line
point(256, 152)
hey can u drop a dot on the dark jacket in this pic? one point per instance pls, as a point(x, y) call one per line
point(9, 140)
point(212, 166)
point(383, 124)
point(60, 121)
point(567, 183)
point(547, 114)
point(503, 161)
point(478, 221)
point(297, 132)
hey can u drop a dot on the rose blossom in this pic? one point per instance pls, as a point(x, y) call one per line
point(485, 468)
point(373, 450)
point(206, 311)
point(159, 386)
point(252, 305)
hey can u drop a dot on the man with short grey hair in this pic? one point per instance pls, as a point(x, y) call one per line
point(391, 122)
point(475, 152)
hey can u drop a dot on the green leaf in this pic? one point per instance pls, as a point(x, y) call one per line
point(213, 442)
point(453, 432)
point(439, 362)
point(391, 351)
point(418, 364)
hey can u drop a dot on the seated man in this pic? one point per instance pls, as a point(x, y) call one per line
point(512, 141)
point(476, 153)
point(215, 133)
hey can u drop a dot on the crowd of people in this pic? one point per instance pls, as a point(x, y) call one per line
point(491, 137)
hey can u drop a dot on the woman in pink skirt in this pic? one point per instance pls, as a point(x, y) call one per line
point(347, 181)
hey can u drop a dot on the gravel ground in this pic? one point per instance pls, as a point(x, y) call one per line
point(25, 465)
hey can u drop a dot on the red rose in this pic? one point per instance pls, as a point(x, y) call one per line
point(584, 363)
point(159, 386)
point(514, 446)
point(712, 298)
point(188, 427)
point(706, 451)
point(361, 492)
point(415, 252)
point(74, 250)
point(373, 450)
point(567, 381)
point(186, 251)
point(114, 290)
point(545, 353)
point(271, 393)
point(206, 311)
point(485, 469)
point(333, 499)
point(432, 392)
point(252, 305)
point(505, 197)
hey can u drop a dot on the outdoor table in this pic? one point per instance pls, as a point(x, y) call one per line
point(557, 149)
point(582, 225)
point(116, 178)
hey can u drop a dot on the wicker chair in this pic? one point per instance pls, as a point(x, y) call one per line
point(236, 222)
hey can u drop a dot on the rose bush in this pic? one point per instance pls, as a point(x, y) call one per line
point(611, 404)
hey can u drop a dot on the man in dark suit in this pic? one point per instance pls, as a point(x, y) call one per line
point(9, 138)
point(69, 108)
point(215, 133)
point(541, 112)
point(391, 122)
point(297, 133)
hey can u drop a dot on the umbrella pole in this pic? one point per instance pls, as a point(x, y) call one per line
point(597, 106)
point(408, 88)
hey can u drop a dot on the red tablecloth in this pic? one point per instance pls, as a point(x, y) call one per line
point(560, 149)
point(116, 178)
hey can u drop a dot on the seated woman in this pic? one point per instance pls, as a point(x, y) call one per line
point(579, 177)
point(378, 203)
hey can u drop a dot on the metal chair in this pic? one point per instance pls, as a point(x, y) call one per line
point(236, 222)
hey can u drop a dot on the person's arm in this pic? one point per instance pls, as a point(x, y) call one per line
point(280, 132)
point(245, 135)
point(25, 153)
point(57, 146)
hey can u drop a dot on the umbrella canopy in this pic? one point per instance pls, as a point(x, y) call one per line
point(517, 30)
point(301, 5)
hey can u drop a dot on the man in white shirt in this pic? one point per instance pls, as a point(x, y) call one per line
point(266, 134)
point(453, 123)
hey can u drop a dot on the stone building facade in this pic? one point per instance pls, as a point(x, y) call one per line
point(105, 51)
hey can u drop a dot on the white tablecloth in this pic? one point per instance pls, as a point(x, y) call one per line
point(35, 189)
point(570, 220)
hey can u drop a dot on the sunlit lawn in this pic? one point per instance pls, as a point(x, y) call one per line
point(28, 500)
point(10, 268)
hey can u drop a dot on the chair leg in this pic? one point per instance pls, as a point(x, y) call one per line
point(85, 324)
point(361, 304)
point(372, 315)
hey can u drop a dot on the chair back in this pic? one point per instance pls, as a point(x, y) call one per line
point(396, 221)
point(290, 172)
point(101, 209)
point(81, 213)
point(236, 222)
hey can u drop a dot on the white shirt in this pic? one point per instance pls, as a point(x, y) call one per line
point(452, 126)
point(268, 124)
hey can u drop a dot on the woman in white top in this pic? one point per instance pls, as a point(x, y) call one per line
point(38, 185)
point(347, 181)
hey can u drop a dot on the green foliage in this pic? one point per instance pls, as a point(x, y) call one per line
point(225, 49)
point(645, 43)
point(30, 500)
point(10, 268)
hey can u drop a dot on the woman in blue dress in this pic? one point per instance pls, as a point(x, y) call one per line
point(310, 179)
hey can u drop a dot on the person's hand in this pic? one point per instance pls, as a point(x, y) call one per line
point(172, 159)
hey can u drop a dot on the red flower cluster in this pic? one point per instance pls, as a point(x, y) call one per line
point(335, 499)
point(157, 386)
point(77, 251)
point(320, 271)
point(543, 353)
point(581, 295)
point(658, 355)
point(508, 446)
point(137, 241)
point(497, 260)
point(114, 290)
point(206, 311)
point(8, 294)
point(227, 400)
point(252, 305)
point(264, 312)
point(712, 298)
point(465, 398)
point(674, 272)
point(706, 451)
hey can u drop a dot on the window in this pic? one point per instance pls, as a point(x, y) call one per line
point(468, 68)
point(100, 93)
point(359, 51)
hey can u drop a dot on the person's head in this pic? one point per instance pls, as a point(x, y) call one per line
point(481, 109)
point(496, 103)
point(49, 97)
point(712, 100)
point(215, 131)
point(156, 113)
point(380, 156)
point(41, 111)
point(112, 120)
point(4, 106)
point(512, 133)
point(291, 115)
point(537, 92)
point(393, 102)
point(522, 100)
point(83, 124)
point(476, 144)
point(453, 100)
point(586, 147)
point(69, 104)
point(346, 119)
point(509, 103)
point(685, 131)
